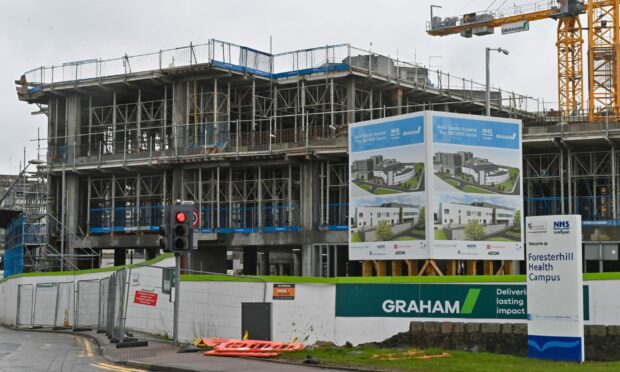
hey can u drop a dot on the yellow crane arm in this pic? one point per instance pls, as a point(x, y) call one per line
point(496, 22)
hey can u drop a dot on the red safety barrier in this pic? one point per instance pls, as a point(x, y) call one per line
point(241, 354)
point(213, 341)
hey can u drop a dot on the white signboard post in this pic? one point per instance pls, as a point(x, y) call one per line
point(554, 288)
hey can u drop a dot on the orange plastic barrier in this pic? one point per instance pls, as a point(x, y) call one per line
point(214, 341)
point(241, 354)
point(258, 346)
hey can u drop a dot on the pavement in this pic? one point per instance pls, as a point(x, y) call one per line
point(44, 350)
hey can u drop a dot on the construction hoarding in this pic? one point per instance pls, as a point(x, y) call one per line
point(436, 185)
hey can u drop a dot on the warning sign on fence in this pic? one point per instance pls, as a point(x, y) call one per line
point(145, 298)
point(283, 292)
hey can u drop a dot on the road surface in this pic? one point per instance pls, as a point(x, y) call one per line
point(43, 351)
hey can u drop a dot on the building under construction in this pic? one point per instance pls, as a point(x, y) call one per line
point(259, 142)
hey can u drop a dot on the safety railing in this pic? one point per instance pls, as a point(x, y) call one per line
point(594, 210)
point(300, 62)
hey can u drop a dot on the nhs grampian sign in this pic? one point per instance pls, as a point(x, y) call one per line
point(554, 281)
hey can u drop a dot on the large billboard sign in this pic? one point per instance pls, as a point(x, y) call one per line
point(554, 278)
point(475, 187)
point(435, 185)
point(415, 300)
point(387, 199)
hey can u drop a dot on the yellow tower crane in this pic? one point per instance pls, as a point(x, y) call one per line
point(603, 47)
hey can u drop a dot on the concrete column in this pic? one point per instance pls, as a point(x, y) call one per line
point(309, 197)
point(398, 101)
point(179, 114)
point(308, 260)
point(177, 183)
point(72, 180)
point(351, 100)
point(120, 255)
point(151, 253)
point(296, 263)
point(263, 263)
point(249, 260)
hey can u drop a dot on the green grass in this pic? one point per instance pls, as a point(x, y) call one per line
point(457, 361)
point(365, 187)
point(384, 191)
point(499, 239)
point(452, 182)
point(419, 231)
point(356, 238)
point(474, 189)
point(413, 182)
point(440, 235)
point(90, 271)
point(406, 237)
point(516, 234)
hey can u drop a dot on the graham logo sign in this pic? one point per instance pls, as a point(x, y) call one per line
point(483, 301)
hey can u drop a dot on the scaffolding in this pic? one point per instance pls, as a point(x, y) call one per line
point(34, 239)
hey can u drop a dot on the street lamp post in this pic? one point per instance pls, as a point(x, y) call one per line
point(488, 67)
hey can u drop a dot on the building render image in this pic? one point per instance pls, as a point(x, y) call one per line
point(463, 162)
point(452, 214)
point(390, 171)
point(392, 213)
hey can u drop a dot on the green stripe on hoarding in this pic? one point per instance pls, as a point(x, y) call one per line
point(470, 301)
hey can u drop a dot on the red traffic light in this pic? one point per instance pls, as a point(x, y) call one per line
point(180, 217)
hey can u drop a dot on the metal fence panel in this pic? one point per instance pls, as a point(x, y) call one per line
point(104, 294)
point(87, 305)
point(45, 297)
point(25, 297)
point(64, 305)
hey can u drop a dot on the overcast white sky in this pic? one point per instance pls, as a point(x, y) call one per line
point(35, 33)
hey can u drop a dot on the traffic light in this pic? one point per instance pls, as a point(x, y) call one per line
point(180, 230)
point(164, 231)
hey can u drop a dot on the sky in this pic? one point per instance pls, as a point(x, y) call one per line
point(36, 33)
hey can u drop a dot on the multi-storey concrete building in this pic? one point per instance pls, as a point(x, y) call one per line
point(257, 141)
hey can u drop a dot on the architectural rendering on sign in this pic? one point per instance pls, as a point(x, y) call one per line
point(467, 172)
point(387, 221)
point(381, 175)
point(477, 220)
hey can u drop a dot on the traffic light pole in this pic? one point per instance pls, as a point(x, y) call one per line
point(177, 298)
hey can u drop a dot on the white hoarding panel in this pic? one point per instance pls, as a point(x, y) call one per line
point(475, 183)
point(554, 288)
point(387, 199)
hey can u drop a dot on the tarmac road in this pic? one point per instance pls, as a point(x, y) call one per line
point(44, 351)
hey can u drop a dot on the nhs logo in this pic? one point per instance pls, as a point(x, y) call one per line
point(561, 227)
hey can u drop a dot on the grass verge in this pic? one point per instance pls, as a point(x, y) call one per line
point(436, 360)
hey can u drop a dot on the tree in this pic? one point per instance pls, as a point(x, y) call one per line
point(517, 220)
point(383, 231)
point(422, 216)
point(474, 230)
